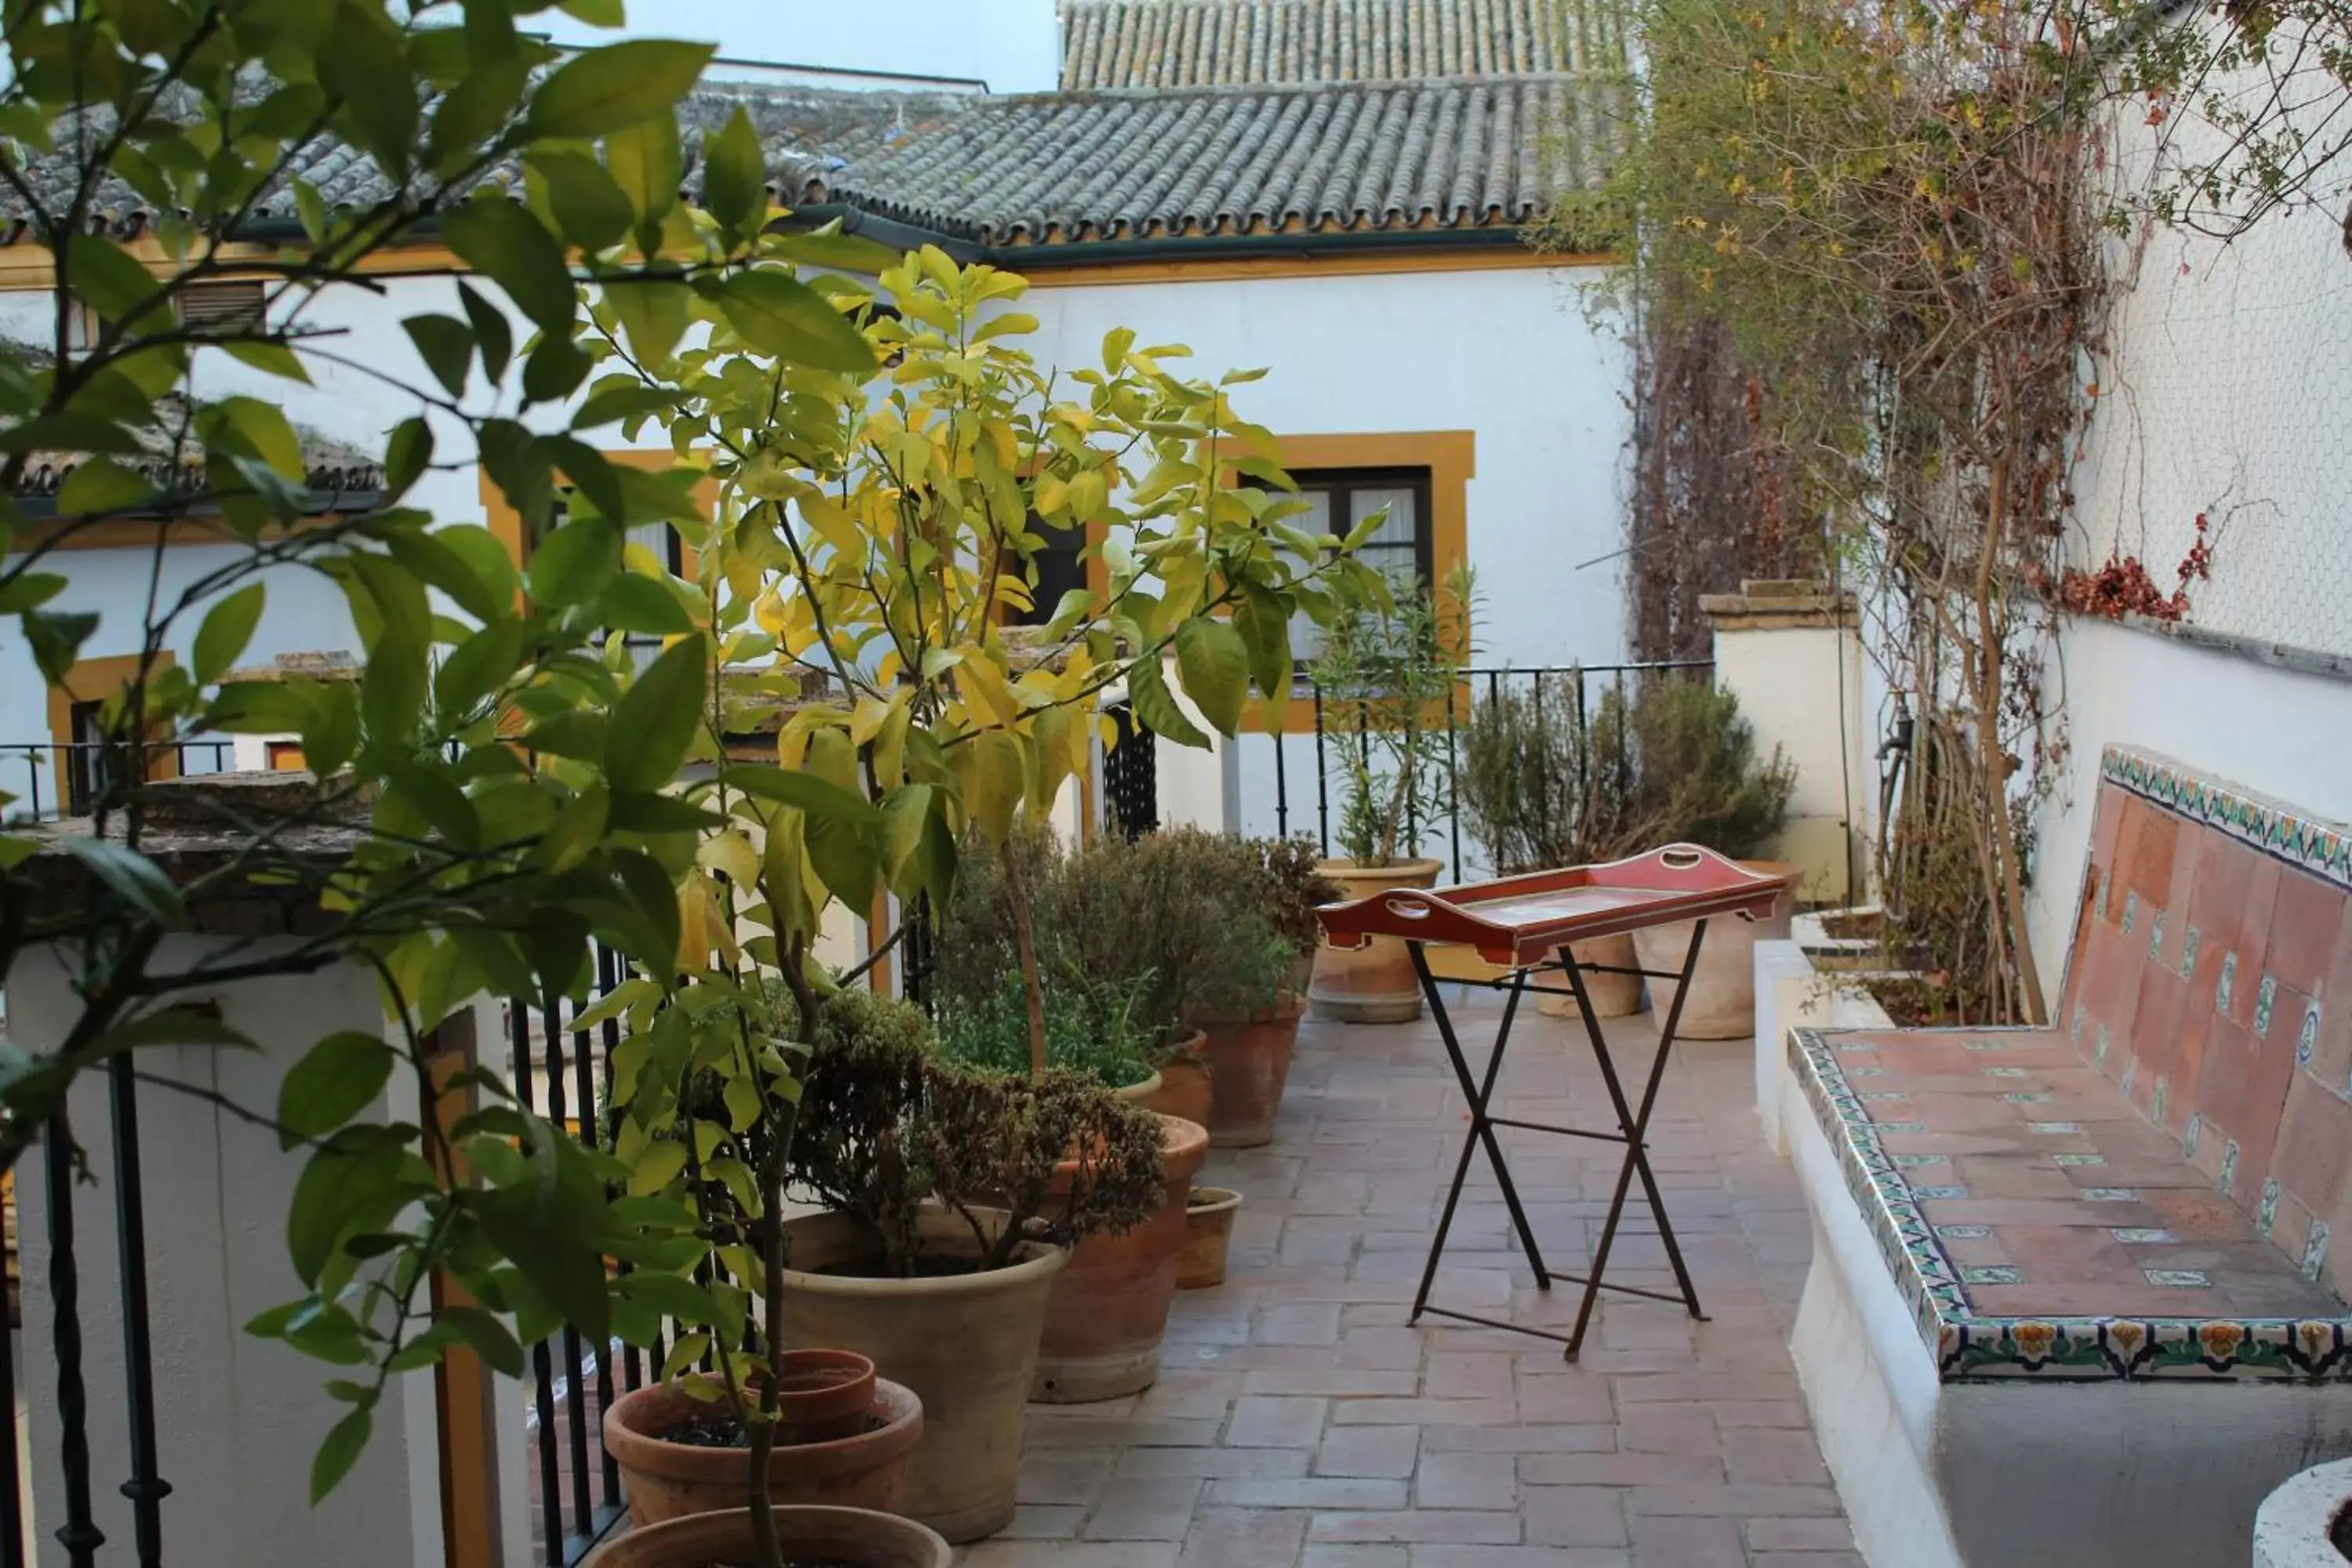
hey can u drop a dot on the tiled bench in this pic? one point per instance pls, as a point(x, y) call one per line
point(2073, 1300)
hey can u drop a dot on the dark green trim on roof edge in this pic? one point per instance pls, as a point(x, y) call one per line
point(855, 219)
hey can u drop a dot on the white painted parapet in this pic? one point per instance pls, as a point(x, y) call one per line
point(1791, 653)
point(2291, 1530)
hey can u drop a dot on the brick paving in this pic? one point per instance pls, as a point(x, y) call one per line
point(1298, 1422)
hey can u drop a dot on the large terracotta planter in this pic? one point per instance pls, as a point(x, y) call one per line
point(670, 1479)
point(847, 1535)
point(1108, 1310)
point(1183, 1089)
point(1249, 1062)
point(1722, 1004)
point(1614, 996)
point(965, 1343)
point(1374, 983)
point(1207, 1236)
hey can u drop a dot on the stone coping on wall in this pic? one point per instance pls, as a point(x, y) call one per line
point(1767, 604)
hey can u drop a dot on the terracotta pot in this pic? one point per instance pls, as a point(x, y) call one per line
point(965, 1343)
point(1183, 1078)
point(850, 1535)
point(1248, 1064)
point(1142, 1092)
point(1207, 1232)
point(1108, 1310)
point(669, 1480)
point(1614, 996)
point(1374, 983)
point(1722, 1004)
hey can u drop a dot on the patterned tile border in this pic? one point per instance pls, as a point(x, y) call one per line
point(1971, 1347)
point(2308, 843)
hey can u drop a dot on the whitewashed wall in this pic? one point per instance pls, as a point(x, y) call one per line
point(1508, 355)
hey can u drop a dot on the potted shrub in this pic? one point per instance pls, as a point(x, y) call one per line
point(952, 1196)
point(840, 1537)
point(1386, 674)
point(1698, 779)
point(1540, 787)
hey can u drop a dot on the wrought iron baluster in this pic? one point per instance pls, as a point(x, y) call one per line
point(543, 1367)
point(593, 1133)
point(146, 1489)
point(1281, 787)
point(79, 1534)
point(575, 1415)
point(12, 1502)
point(1322, 783)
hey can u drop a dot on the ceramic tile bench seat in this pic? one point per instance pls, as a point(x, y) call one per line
point(2073, 1298)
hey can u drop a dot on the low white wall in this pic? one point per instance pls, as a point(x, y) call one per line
point(1801, 690)
point(1791, 993)
point(2272, 730)
point(238, 1420)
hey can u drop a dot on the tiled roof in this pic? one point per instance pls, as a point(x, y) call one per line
point(1073, 167)
point(1215, 43)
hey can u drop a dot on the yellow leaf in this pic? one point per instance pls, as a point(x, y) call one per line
point(985, 691)
point(1089, 492)
point(730, 852)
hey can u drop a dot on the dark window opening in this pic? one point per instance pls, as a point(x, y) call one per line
point(1059, 569)
point(1399, 549)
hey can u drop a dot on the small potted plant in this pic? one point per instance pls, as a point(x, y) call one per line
point(1540, 787)
point(952, 1196)
point(1386, 674)
point(1209, 1214)
point(1698, 779)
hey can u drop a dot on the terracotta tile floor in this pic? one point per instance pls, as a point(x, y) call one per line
point(1299, 1424)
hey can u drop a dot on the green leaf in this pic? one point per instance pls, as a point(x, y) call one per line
point(636, 602)
point(56, 639)
point(339, 1451)
point(363, 66)
point(491, 329)
point(29, 590)
point(811, 793)
point(780, 315)
point(615, 87)
point(647, 161)
point(262, 426)
point(171, 1027)
point(735, 175)
point(1157, 706)
point(227, 628)
point(106, 277)
point(579, 827)
point(406, 457)
point(653, 314)
point(618, 403)
point(138, 881)
point(989, 771)
point(446, 346)
point(571, 565)
point(828, 247)
point(101, 485)
point(335, 1080)
point(1266, 630)
point(502, 240)
point(486, 1336)
point(555, 368)
point(276, 358)
point(593, 212)
point(655, 1167)
point(919, 852)
point(1214, 663)
point(658, 718)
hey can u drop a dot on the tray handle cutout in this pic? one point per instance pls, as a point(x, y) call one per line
point(1681, 858)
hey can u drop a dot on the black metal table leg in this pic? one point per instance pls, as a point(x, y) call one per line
point(1635, 1123)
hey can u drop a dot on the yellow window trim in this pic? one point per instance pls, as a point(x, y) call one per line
point(95, 680)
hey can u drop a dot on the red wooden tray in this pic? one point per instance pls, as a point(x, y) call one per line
point(1519, 921)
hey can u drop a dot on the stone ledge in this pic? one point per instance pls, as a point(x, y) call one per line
point(1779, 605)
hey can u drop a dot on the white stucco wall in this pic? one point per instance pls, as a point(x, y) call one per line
point(237, 1418)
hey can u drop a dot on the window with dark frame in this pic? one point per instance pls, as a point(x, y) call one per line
point(1342, 498)
point(1060, 568)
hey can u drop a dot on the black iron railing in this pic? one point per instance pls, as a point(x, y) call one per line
point(31, 772)
point(1336, 721)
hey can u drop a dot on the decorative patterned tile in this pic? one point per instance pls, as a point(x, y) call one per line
point(2188, 946)
point(1985, 1046)
point(1993, 1274)
point(2074, 1028)
point(2131, 1071)
point(2314, 1250)
point(2265, 998)
point(2229, 984)
point(2143, 1235)
point(1945, 1193)
point(2178, 1279)
point(1881, 1096)
point(2106, 1037)
point(2027, 1096)
point(2229, 1176)
point(2131, 913)
point(1964, 1232)
point(1912, 1162)
point(2053, 1128)
point(2312, 844)
point(2156, 936)
point(2266, 1213)
point(2188, 1139)
point(1903, 1127)
point(2306, 1038)
point(2075, 1160)
point(2109, 1195)
point(2161, 1095)
point(2005, 1072)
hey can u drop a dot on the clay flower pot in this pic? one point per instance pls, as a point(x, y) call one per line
point(1722, 1004)
point(1143, 1091)
point(847, 1535)
point(1614, 996)
point(965, 1343)
point(1207, 1232)
point(1249, 1062)
point(1183, 1092)
point(669, 1480)
point(1108, 1310)
point(1374, 983)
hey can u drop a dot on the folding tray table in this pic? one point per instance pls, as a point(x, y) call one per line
point(1520, 922)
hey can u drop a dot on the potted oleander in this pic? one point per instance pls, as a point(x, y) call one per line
point(1386, 674)
point(1698, 777)
point(1542, 786)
